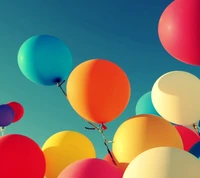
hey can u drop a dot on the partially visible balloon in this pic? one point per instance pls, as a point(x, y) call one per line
point(189, 138)
point(145, 105)
point(6, 115)
point(119, 165)
point(178, 30)
point(176, 97)
point(98, 90)
point(109, 159)
point(195, 150)
point(143, 132)
point(21, 157)
point(18, 110)
point(91, 168)
point(163, 162)
point(198, 126)
point(45, 60)
point(64, 148)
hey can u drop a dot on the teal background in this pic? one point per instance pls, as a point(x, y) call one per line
point(124, 32)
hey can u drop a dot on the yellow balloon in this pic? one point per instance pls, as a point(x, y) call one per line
point(141, 133)
point(163, 162)
point(64, 148)
point(176, 97)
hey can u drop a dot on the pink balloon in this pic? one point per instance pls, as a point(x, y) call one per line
point(189, 138)
point(91, 168)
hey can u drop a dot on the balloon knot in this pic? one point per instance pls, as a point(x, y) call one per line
point(103, 127)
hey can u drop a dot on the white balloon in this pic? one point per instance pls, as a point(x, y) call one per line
point(176, 97)
point(163, 162)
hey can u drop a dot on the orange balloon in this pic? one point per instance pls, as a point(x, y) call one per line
point(98, 90)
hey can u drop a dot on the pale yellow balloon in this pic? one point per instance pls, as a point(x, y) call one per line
point(176, 97)
point(64, 148)
point(164, 162)
point(143, 132)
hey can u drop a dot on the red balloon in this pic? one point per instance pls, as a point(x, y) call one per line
point(21, 157)
point(18, 110)
point(189, 138)
point(179, 30)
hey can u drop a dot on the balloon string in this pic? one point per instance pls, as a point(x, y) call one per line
point(2, 131)
point(100, 129)
point(61, 88)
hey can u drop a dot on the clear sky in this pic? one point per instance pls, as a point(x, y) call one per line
point(124, 32)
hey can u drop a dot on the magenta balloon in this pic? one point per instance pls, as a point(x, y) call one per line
point(91, 168)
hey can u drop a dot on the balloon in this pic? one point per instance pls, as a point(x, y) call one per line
point(145, 105)
point(21, 157)
point(45, 60)
point(176, 97)
point(198, 126)
point(91, 168)
point(178, 31)
point(98, 90)
point(141, 133)
point(6, 115)
point(189, 138)
point(18, 110)
point(163, 162)
point(64, 148)
point(119, 165)
point(195, 150)
point(109, 159)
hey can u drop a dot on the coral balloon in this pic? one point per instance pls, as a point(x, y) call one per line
point(109, 159)
point(163, 162)
point(189, 138)
point(98, 90)
point(122, 166)
point(176, 97)
point(18, 110)
point(91, 168)
point(195, 150)
point(141, 133)
point(178, 30)
point(6, 115)
point(145, 105)
point(64, 148)
point(45, 60)
point(21, 157)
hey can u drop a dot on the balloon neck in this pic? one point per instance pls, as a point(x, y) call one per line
point(196, 128)
point(103, 127)
point(59, 82)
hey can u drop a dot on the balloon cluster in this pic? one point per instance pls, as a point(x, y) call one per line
point(10, 113)
point(160, 141)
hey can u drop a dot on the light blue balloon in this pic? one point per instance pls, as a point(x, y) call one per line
point(145, 105)
point(45, 60)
